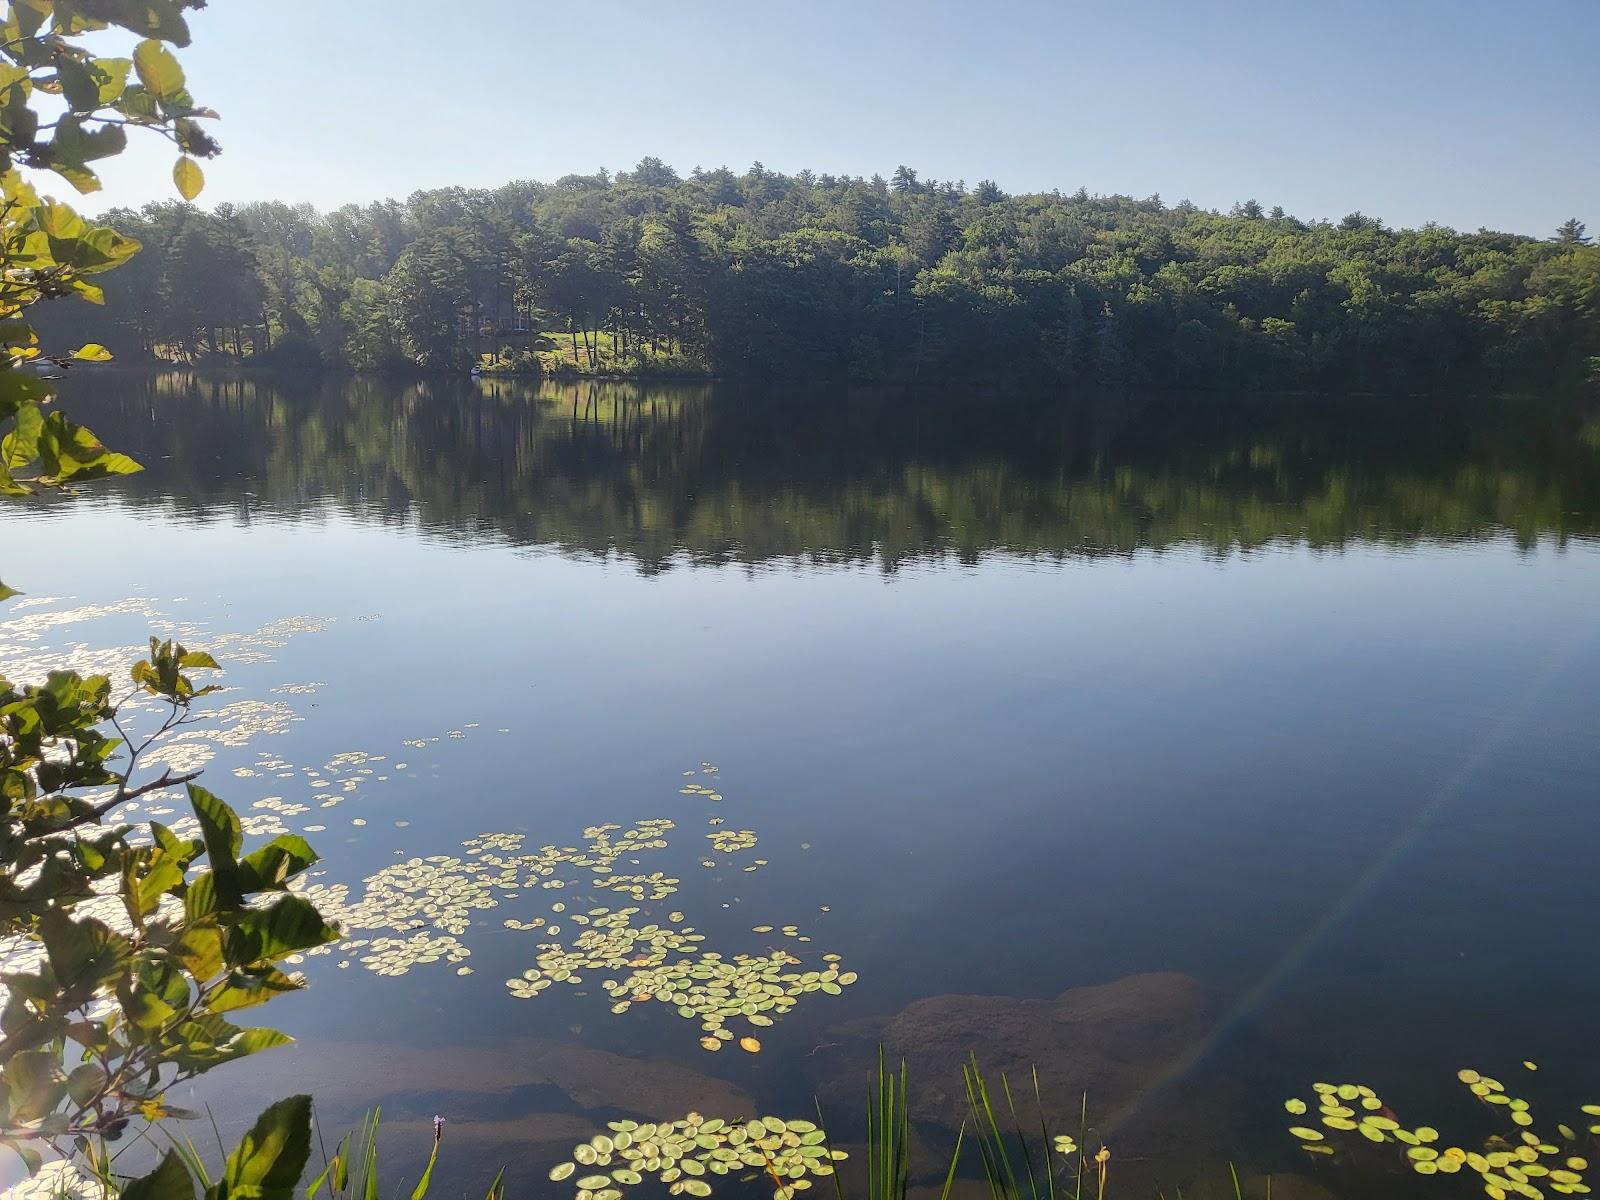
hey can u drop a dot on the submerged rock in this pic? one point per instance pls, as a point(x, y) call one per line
point(486, 1082)
point(1285, 1187)
point(1117, 1042)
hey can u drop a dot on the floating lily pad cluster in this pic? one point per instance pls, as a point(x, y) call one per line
point(715, 990)
point(430, 899)
point(791, 931)
point(425, 904)
point(60, 1179)
point(396, 956)
point(298, 689)
point(338, 779)
point(687, 1155)
point(282, 807)
point(654, 886)
point(1525, 1164)
point(416, 912)
point(699, 789)
point(704, 986)
point(24, 646)
point(731, 841)
point(610, 942)
point(539, 868)
point(441, 893)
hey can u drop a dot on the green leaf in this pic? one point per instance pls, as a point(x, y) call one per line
point(68, 451)
point(21, 445)
point(35, 1085)
point(29, 17)
point(247, 988)
point(112, 78)
point(179, 848)
point(209, 1040)
point(18, 388)
point(139, 104)
point(83, 954)
point(155, 18)
point(219, 826)
point(85, 181)
point(164, 874)
point(421, 1190)
point(146, 1007)
point(315, 1185)
point(275, 863)
point(32, 1160)
point(169, 1181)
point(191, 180)
point(93, 352)
point(6, 592)
point(73, 145)
point(256, 1039)
point(79, 84)
point(266, 1165)
point(85, 1082)
point(157, 69)
point(290, 924)
point(200, 947)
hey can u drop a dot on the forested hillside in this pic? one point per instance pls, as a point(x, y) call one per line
point(823, 276)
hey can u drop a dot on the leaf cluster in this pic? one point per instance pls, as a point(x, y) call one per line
point(133, 993)
point(62, 108)
point(147, 941)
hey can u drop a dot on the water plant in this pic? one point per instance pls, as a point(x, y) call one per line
point(1521, 1161)
point(1014, 1165)
point(416, 912)
point(687, 1153)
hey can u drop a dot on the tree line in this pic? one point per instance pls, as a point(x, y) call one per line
point(816, 276)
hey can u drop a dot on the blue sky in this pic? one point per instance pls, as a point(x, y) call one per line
point(1463, 112)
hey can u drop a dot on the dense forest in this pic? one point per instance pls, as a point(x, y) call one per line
point(819, 276)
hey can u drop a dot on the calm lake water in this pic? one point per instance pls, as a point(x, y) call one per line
point(1293, 701)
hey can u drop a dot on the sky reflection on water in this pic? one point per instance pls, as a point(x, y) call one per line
point(1295, 700)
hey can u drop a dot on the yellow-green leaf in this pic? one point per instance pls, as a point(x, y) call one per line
point(158, 70)
point(93, 352)
point(21, 445)
point(190, 179)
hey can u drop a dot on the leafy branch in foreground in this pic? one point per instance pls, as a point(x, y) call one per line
point(269, 1162)
point(63, 107)
point(265, 1165)
point(127, 948)
point(142, 940)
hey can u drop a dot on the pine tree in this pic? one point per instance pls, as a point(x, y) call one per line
point(1571, 233)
